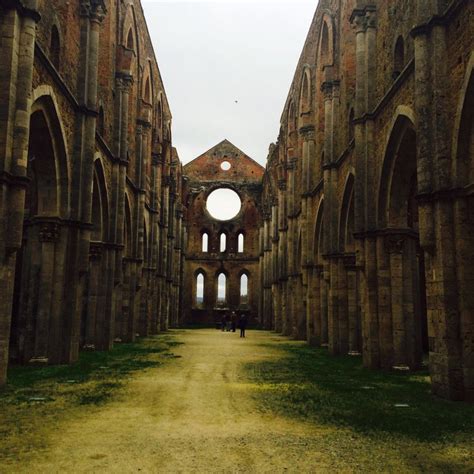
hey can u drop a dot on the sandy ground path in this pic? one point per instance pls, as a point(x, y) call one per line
point(195, 414)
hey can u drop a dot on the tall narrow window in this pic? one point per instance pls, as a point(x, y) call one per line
point(55, 47)
point(244, 289)
point(221, 288)
point(399, 57)
point(130, 44)
point(205, 242)
point(240, 243)
point(200, 289)
point(147, 91)
point(223, 240)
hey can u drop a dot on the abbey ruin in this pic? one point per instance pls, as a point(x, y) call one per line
point(358, 235)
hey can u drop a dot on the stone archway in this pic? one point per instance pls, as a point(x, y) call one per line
point(37, 323)
point(464, 232)
point(403, 318)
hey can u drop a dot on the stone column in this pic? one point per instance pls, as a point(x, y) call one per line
point(364, 18)
point(17, 45)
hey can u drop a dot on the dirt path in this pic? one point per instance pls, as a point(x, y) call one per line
point(193, 415)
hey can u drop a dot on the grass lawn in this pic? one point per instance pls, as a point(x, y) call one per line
point(36, 398)
point(366, 410)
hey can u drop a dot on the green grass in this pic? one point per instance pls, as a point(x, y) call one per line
point(310, 384)
point(92, 380)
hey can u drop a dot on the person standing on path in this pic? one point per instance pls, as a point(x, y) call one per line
point(243, 324)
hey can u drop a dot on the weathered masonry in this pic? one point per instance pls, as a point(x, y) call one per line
point(358, 235)
point(90, 213)
point(222, 256)
point(368, 193)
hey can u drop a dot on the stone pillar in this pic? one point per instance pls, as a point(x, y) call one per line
point(364, 18)
point(17, 45)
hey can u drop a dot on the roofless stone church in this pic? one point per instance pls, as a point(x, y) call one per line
point(358, 235)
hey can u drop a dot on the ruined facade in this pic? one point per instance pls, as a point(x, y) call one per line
point(222, 256)
point(368, 194)
point(90, 212)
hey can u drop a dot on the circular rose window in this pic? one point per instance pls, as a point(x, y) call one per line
point(225, 166)
point(223, 204)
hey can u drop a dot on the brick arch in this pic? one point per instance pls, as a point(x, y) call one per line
point(45, 105)
point(306, 96)
point(326, 42)
point(346, 220)
point(100, 203)
point(463, 141)
point(401, 140)
point(318, 231)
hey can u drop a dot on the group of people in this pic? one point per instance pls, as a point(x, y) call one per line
point(230, 322)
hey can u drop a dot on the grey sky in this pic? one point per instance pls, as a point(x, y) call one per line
point(212, 54)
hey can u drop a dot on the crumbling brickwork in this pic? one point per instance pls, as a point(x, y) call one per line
point(90, 207)
point(368, 226)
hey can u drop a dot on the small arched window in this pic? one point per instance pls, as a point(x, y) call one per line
point(221, 288)
point(55, 47)
point(223, 242)
point(147, 95)
point(240, 243)
point(200, 289)
point(305, 105)
point(399, 57)
point(324, 54)
point(101, 121)
point(205, 242)
point(130, 42)
point(244, 289)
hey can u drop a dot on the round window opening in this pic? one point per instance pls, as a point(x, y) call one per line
point(223, 204)
point(225, 165)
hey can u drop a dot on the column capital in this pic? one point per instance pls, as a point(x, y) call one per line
point(49, 231)
point(364, 18)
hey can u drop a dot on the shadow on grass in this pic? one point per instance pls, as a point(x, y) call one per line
point(309, 383)
point(92, 380)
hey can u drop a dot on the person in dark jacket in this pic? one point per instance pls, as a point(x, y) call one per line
point(243, 324)
point(233, 321)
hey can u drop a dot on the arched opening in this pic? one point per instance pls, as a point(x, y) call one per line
point(97, 212)
point(127, 229)
point(320, 310)
point(399, 57)
point(55, 47)
point(223, 242)
point(244, 289)
point(305, 97)
point(147, 94)
point(205, 242)
point(349, 274)
point(221, 288)
point(130, 41)
point(464, 209)
point(240, 243)
point(200, 289)
point(39, 261)
point(398, 212)
point(159, 118)
point(324, 55)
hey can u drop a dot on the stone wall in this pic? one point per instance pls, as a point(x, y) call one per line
point(202, 176)
point(369, 249)
point(90, 211)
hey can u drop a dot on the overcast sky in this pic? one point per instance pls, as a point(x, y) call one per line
point(227, 67)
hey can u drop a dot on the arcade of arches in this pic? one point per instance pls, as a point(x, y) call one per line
point(358, 234)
